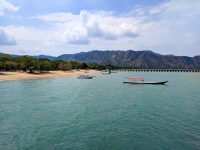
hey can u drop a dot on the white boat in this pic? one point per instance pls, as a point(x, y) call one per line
point(82, 76)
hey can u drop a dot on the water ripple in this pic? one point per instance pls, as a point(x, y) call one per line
point(103, 113)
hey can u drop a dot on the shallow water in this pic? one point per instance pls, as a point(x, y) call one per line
point(103, 113)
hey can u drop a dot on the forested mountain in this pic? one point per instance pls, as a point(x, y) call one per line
point(140, 59)
point(130, 58)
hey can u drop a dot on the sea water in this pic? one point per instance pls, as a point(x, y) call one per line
point(102, 113)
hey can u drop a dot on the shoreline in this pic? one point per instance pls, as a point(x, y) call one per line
point(19, 75)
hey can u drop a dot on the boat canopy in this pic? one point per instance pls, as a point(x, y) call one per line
point(136, 78)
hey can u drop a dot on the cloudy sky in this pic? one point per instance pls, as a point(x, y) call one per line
point(56, 27)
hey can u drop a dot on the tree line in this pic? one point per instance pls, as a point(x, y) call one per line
point(31, 64)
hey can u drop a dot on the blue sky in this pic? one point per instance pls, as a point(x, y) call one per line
point(69, 26)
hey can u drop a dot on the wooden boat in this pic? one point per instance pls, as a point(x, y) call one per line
point(85, 77)
point(142, 82)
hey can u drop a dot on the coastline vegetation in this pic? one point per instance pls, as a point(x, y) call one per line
point(34, 65)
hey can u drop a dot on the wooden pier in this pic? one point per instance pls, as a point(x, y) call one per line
point(158, 70)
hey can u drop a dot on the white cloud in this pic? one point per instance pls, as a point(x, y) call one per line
point(87, 25)
point(174, 28)
point(5, 39)
point(59, 17)
point(170, 27)
point(7, 6)
point(30, 40)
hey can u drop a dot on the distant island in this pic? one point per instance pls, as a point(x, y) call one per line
point(118, 59)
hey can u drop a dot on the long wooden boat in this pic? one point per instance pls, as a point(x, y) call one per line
point(142, 82)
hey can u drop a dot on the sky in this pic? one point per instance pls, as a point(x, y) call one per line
point(33, 27)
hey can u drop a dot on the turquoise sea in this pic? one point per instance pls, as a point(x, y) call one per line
point(101, 114)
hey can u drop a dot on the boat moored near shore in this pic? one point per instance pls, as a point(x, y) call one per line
point(83, 76)
point(142, 82)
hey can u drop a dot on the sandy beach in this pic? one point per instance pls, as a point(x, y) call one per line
point(4, 76)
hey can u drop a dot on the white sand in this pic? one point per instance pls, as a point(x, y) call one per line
point(25, 76)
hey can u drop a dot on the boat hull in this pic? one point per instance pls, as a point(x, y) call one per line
point(85, 77)
point(161, 82)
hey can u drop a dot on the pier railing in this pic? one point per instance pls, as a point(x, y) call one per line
point(159, 70)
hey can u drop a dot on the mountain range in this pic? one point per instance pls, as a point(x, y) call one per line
point(131, 58)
